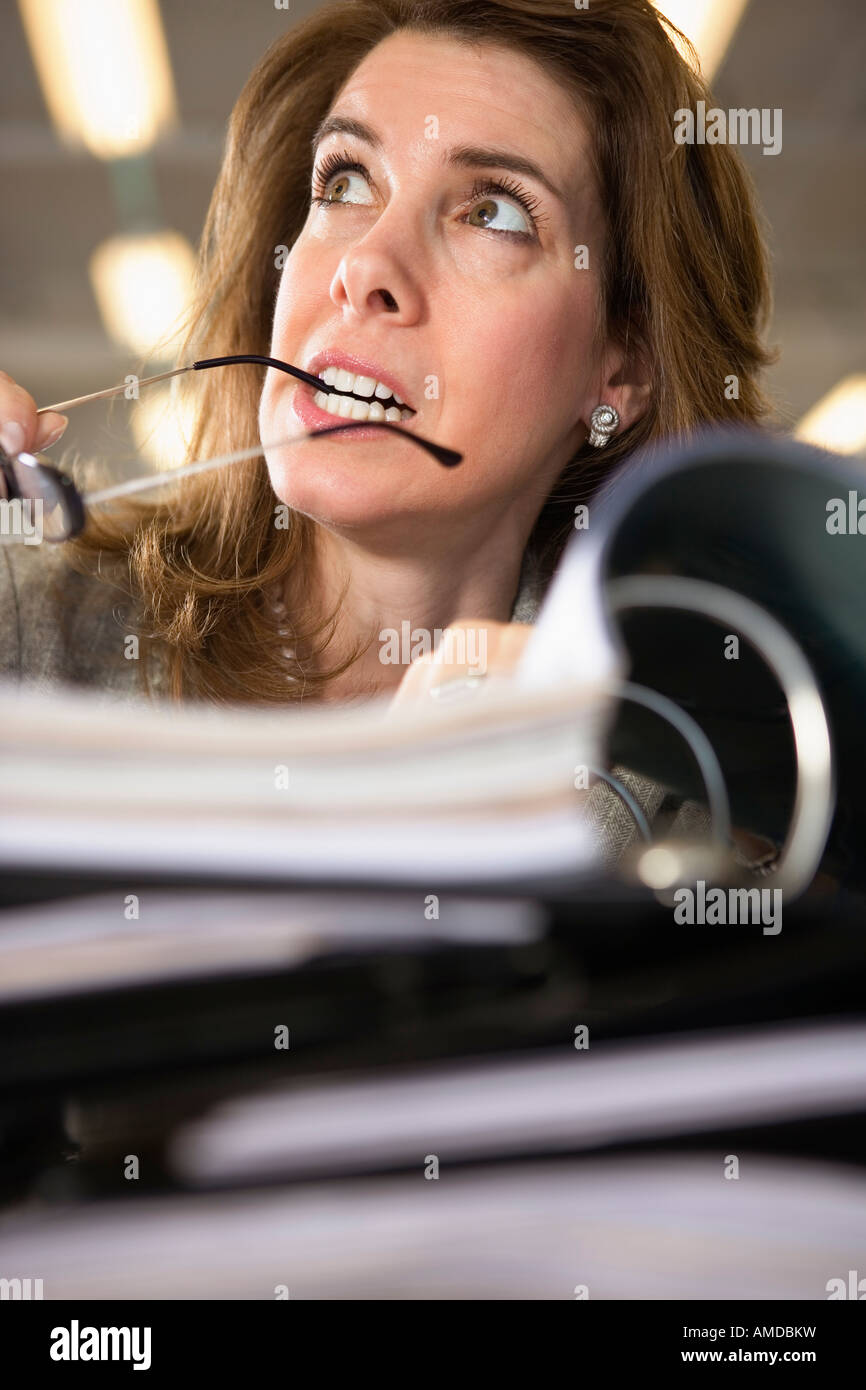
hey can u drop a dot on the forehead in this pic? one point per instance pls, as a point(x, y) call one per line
point(480, 94)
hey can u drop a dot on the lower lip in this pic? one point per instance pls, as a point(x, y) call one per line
point(312, 418)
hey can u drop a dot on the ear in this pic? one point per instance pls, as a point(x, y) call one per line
point(623, 381)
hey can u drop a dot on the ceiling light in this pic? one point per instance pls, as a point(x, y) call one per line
point(838, 420)
point(709, 24)
point(104, 70)
point(143, 286)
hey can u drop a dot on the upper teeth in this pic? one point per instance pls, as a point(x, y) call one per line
point(366, 386)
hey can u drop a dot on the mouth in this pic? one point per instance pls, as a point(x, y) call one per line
point(357, 391)
point(360, 398)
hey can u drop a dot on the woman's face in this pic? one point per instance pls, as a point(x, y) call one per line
point(436, 266)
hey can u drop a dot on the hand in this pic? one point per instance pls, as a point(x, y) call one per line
point(21, 429)
point(466, 650)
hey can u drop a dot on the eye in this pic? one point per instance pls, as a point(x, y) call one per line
point(341, 187)
point(503, 206)
point(341, 180)
point(498, 216)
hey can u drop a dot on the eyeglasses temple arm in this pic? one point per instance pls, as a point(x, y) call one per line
point(449, 458)
point(154, 480)
point(63, 406)
point(201, 365)
point(262, 362)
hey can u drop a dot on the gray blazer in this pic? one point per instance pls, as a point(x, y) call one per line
point(59, 628)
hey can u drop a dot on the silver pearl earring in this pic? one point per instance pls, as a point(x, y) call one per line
point(602, 424)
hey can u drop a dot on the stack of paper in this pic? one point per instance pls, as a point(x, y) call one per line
point(478, 790)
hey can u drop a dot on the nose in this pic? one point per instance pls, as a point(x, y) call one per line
point(373, 278)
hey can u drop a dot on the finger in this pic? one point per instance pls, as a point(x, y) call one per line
point(471, 650)
point(49, 429)
point(415, 683)
point(18, 419)
point(468, 653)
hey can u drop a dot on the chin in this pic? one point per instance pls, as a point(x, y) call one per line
point(344, 495)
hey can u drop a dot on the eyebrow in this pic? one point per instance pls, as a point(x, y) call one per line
point(344, 125)
point(480, 157)
point(464, 156)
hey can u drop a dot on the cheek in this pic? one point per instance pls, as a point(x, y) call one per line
point(293, 304)
point(528, 362)
point(297, 307)
point(303, 291)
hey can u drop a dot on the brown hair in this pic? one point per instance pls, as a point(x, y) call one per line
point(685, 283)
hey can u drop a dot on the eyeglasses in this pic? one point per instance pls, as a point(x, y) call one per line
point(35, 483)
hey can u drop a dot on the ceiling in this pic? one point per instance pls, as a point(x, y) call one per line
point(808, 59)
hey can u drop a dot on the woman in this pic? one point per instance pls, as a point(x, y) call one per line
point(478, 205)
